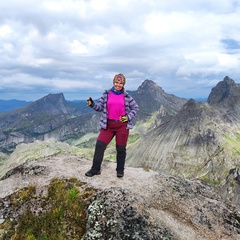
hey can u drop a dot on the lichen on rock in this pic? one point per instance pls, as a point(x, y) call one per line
point(118, 214)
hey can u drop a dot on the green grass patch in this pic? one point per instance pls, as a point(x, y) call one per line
point(233, 142)
point(208, 180)
point(133, 138)
point(90, 143)
point(58, 215)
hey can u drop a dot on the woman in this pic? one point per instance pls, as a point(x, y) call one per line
point(118, 111)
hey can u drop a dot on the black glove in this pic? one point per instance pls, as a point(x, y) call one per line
point(123, 119)
point(89, 102)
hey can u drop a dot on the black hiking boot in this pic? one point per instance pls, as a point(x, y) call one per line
point(120, 174)
point(91, 173)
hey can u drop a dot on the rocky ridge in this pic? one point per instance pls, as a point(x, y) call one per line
point(200, 142)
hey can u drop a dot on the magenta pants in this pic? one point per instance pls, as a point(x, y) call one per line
point(117, 129)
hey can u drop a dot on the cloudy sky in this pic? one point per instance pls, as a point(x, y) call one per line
point(77, 46)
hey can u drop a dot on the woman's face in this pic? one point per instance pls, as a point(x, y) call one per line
point(118, 85)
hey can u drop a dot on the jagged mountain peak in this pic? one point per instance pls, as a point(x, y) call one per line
point(186, 119)
point(224, 91)
point(149, 83)
point(151, 97)
point(51, 103)
point(150, 86)
point(189, 110)
point(228, 80)
point(190, 103)
point(53, 97)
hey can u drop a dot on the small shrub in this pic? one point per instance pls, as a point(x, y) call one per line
point(146, 168)
point(73, 193)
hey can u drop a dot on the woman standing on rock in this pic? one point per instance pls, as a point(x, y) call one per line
point(118, 110)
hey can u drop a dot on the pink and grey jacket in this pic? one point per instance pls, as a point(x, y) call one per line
point(131, 108)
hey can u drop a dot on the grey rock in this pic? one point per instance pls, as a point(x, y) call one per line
point(119, 214)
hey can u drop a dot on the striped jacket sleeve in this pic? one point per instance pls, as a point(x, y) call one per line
point(131, 107)
point(101, 104)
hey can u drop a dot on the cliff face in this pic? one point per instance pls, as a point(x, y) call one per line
point(224, 93)
point(142, 205)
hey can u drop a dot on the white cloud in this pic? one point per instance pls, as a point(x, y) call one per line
point(78, 48)
point(5, 31)
point(69, 45)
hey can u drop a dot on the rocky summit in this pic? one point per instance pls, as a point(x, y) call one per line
point(143, 205)
point(225, 92)
point(151, 98)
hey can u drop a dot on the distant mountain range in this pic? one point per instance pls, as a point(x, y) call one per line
point(9, 105)
point(54, 117)
point(13, 104)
